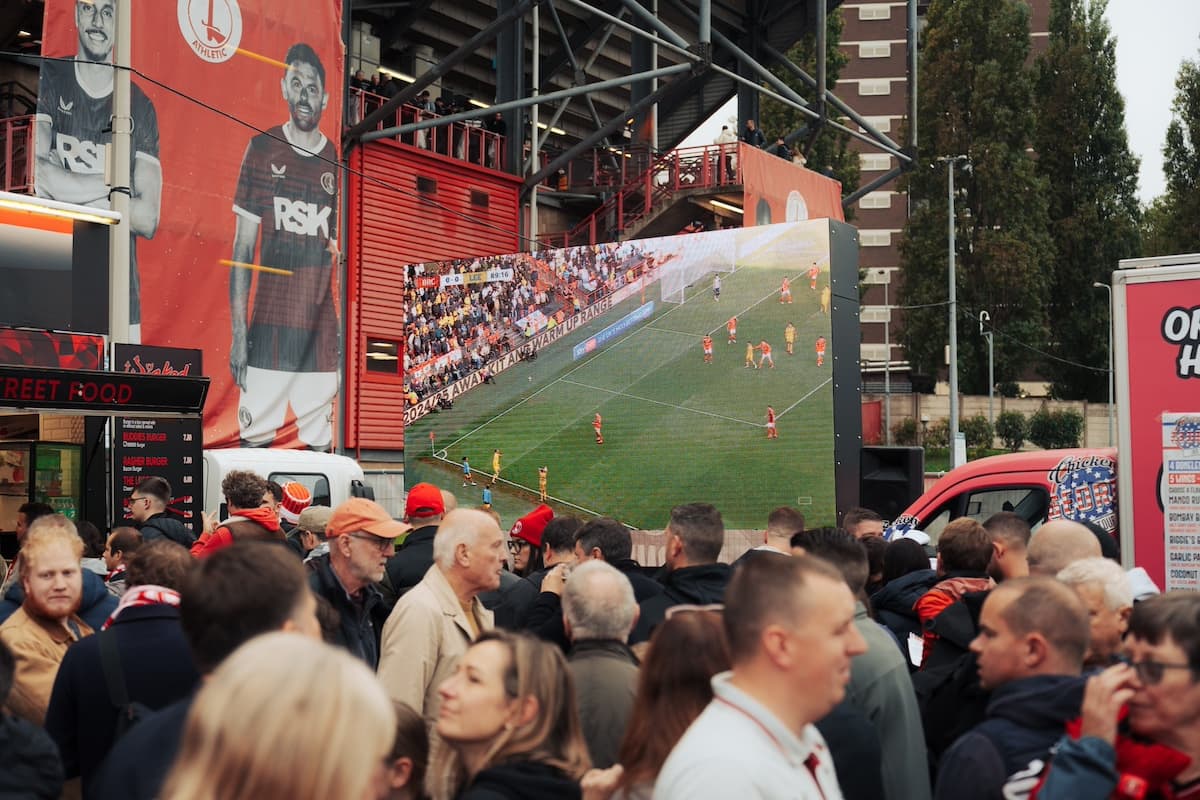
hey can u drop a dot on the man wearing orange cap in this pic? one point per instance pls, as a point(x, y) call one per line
point(423, 510)
point(362, 536)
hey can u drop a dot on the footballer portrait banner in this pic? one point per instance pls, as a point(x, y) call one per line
point(236, 108)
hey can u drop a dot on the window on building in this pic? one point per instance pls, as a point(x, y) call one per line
point(872, 352)
point(874, 162)
point(383, 357)
point(875, 314)
point(868, 88)
point(875, 238)
point(479, 198)
point(426, 185)
point(874, 11)
point(881, 124)
point(874, 49)
point(876, 200)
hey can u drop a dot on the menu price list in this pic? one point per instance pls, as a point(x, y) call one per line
point(166, 448)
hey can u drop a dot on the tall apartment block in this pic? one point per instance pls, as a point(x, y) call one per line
point(874, 83)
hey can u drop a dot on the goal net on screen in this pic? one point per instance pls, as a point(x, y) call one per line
point(694, 257)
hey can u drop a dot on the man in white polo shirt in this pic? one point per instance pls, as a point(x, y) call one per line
point(790, 625)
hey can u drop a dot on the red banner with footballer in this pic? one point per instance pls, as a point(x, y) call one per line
point(237, 108)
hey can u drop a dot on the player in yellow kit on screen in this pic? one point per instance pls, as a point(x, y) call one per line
point(749, 354)
point(542, 483)
point(826, 296)
point(789, 337)
point(496, 465)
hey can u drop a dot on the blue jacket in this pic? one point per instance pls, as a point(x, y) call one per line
point(894, 603)
point(94, 608)
point(1005, 755)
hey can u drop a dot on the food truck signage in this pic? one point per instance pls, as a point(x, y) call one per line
point(100, 392)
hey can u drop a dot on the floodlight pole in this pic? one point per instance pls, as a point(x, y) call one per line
point(985, 317)
point(953, 292)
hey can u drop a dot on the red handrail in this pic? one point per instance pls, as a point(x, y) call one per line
point(17, 154)
point(702, 167)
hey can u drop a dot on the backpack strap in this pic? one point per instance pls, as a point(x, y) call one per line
point(114, 676)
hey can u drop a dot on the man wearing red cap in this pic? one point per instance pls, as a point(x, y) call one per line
point(423, 510)
point(361, 538)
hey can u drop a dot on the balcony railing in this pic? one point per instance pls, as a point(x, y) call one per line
point(16, 154)
point(466, 141)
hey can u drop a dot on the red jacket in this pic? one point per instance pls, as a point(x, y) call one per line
point(941, 597)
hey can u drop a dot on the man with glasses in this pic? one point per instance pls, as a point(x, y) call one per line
point(361, 536)
point(1033, 633)
point(148, 508)
point(1141, 718)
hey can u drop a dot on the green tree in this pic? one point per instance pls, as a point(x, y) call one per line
point(830, 153)
point(1091, 175)
point(1172, 223)
point(976, 100)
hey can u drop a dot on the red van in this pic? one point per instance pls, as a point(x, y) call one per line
point(1079, 485)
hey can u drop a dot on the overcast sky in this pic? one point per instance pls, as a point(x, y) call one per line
point(1153, 38)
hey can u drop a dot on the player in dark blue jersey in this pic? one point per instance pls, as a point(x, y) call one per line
point(73, 129)
point(286, 210)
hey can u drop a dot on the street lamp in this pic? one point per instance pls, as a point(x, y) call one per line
point(1112, 424)
point(950, 161)
point(985, 317)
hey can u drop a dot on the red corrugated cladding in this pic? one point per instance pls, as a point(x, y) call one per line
point(394, 220)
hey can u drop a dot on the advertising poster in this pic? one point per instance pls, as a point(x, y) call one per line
point(166, 448)
point(780, 191)
point(1158, 344)
point(1181, 498)
point(234, 194)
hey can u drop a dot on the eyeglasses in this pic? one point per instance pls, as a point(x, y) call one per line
point(381, 544)
point(716, 608)
point(515, 545)
point(1151, 673)
point(133, 500)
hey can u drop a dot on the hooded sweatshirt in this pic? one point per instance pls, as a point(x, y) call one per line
point(700, 585)
point(1005, 755)
point(522, 780)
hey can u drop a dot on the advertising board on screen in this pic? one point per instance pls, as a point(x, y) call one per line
point(237, 108)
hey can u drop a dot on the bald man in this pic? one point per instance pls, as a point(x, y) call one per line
point(1058, 544)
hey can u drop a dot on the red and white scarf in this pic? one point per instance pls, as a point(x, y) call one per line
point(120, 570)
point(147, 595)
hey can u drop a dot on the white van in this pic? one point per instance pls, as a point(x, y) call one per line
point(332, 479)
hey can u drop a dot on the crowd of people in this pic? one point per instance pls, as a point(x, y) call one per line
point(476, 323)
point(343, 653)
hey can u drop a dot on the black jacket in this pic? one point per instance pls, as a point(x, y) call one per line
point(158, 669)
point(701, 585)
point(510, 601)
point(406, 569)
point(1024, 720)
point(544, 618)
point(137, 766)
point(362, 623)
point(644, 587)
point(29, 765)
point(854, 744)
point(167, 525)
point(893, 604)
point(522, 780)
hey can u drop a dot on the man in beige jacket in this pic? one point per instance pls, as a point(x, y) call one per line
point(46, 624)
point(433, 624)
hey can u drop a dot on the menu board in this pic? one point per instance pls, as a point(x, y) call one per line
point(161, 447)
point(1180, 492)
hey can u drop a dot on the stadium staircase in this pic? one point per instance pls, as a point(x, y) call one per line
point(661, 200)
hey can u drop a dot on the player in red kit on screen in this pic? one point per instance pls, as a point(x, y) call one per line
point(813, 272)
point(820, 350)
point(785, 291)
point(771, 432)
point(286, 210)
point(707, 342)
point(766, 355)
point(731, 328)
point(596, 423)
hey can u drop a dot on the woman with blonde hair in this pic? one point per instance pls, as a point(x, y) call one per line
point(508, 724)
point(286, 716)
